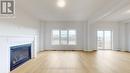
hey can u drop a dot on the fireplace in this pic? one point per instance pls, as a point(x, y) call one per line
point(19, 55)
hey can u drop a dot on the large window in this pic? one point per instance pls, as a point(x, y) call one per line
point(64, 37)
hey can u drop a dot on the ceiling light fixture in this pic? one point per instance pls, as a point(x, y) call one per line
point(61, 3)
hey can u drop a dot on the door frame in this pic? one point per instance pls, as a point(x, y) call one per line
point(104, 39)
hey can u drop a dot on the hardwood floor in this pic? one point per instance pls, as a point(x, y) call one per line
point(77, 62)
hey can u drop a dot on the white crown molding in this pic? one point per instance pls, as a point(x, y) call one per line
point(108, 9)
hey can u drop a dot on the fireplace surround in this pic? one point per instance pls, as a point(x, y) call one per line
point(19, 54)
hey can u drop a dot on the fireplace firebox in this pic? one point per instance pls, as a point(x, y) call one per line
point(19, 55)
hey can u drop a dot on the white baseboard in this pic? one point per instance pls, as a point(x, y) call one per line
point(89, 50)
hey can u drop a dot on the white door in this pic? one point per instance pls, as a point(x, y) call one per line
point(104, 39)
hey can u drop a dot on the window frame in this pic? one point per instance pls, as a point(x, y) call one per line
point(60, 37)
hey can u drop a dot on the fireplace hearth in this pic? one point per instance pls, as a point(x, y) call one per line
point(19, 55)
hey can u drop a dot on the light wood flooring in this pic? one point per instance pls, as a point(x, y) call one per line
point(77, 62)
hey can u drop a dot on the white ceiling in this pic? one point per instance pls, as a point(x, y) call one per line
point(74, 10)
point(122, 14)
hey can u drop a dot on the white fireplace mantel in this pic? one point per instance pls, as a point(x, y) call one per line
point(6, 42)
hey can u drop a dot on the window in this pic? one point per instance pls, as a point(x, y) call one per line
point(63, 37)
point(55, 37)
point(72, 37)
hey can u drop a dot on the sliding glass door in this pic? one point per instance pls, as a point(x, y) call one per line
point(104, 40)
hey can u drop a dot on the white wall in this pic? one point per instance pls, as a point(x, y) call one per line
point(103, 26)
point(121, 34)
point(88, 33)
point(128, 36)
point(21, 26)
point(87, 36)
point(47, 27)
point(124, 36)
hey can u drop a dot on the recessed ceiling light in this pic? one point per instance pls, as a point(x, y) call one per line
point(61, 3)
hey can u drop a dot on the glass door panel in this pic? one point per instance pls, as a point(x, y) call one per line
point(100, 39)
point(107, 39)
point(104, 40)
